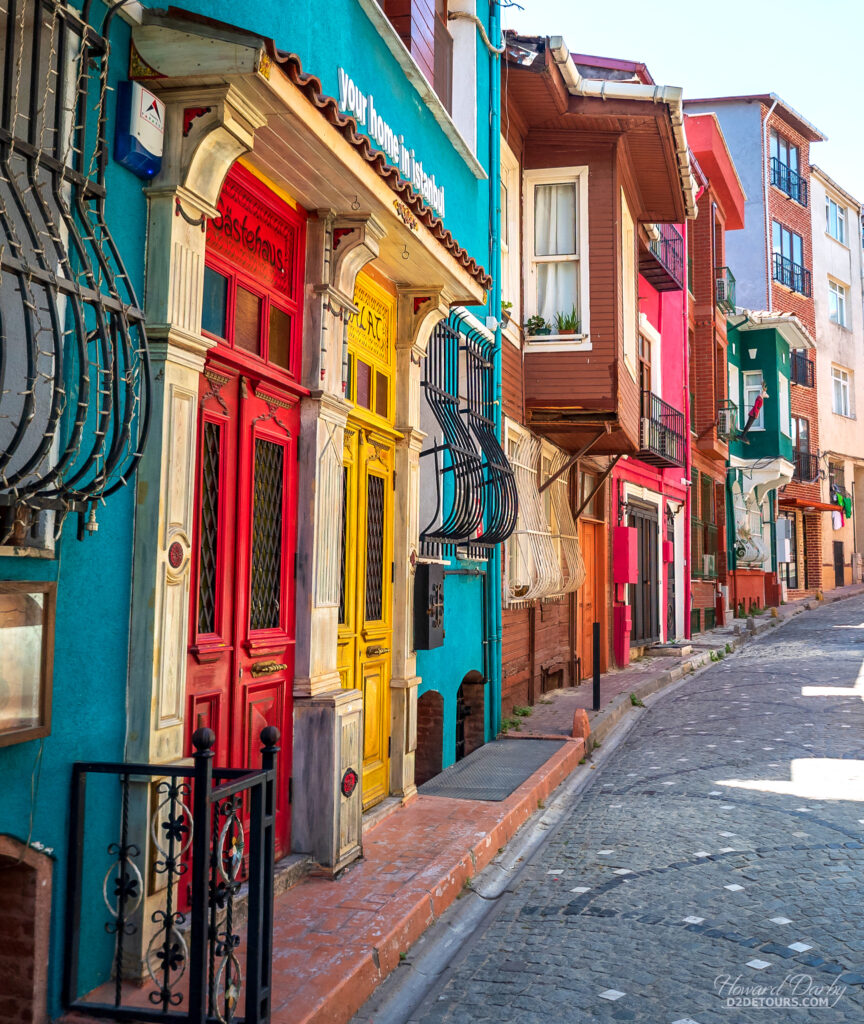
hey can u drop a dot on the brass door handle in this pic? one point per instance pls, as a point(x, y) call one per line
point(375, 651)
point(264, 668)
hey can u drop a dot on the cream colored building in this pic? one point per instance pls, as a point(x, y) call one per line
point(837, 291)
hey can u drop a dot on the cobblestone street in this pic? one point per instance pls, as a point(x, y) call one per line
point(718, 854)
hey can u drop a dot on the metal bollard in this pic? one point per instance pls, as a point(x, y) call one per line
point(596, 646)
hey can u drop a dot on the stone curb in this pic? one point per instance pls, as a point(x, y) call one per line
point(348, 993)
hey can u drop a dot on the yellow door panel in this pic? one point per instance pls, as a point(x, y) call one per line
point(366, 607)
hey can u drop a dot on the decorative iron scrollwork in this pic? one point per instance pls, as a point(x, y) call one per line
point(74, 366)
point(477, 506)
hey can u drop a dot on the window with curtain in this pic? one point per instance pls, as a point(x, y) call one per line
point(556, 248)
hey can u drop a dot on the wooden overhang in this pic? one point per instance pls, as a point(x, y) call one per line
point(710, 150)
point(546, 112)
point(576, 397)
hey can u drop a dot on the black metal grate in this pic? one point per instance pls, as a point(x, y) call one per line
point(344, 545)
point(476, 502)
point(207, 564)
point(75, 405)
point(265, 591)
point(374, 548)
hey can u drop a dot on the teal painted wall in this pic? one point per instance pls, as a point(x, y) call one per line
point(444, 668)
point(770, 357)
point(91, 643)
point(339, 33)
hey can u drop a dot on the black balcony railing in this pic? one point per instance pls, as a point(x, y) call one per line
point(662, 432)
point(802, 370)
point(725, 289)
point(806, 467)
point(788, 181)
point(668, 249)
point(793, 275)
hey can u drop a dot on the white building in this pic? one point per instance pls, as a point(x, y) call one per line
point(837, 291)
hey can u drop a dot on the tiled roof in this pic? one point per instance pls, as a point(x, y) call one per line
point(310, 86)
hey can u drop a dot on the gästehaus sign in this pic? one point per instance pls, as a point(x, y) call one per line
point(362, 107)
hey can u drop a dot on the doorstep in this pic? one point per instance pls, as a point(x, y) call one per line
point(335, 940)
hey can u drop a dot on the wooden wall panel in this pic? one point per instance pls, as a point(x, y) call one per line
point(511, 383)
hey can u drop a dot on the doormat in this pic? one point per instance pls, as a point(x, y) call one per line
point(493, 771)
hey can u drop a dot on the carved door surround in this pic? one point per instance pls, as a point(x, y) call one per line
point(418, 310)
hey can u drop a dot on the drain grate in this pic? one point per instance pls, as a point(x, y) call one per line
point(493, 771)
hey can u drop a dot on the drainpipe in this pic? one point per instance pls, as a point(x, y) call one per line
point(493, 591)
point(769, 305)
point(688, 453)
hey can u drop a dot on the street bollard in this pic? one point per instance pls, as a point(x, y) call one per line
point(596, 645)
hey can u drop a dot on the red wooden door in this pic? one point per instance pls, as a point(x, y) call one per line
point(241, 658)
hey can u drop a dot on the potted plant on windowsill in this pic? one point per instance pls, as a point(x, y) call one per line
point(505, 311)
point(537, 326)
point(567, 323)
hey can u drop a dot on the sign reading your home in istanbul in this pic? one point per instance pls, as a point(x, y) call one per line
point(362, 107)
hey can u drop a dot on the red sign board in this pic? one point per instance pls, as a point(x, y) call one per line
point(256, 231)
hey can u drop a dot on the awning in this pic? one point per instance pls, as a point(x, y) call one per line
point(805, 505)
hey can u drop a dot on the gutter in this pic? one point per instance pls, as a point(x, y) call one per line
point(765, 169)
point(669, 95)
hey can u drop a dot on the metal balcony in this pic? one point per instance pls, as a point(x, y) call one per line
point(806, 467)
point(663, 263)
point(724, 289)
point(802, 370)
point(788, 181)
point(661, 433)
point(791, 274)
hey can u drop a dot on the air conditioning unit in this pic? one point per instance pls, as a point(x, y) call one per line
point(722, 291)
point(708, 565)
point(726, 422)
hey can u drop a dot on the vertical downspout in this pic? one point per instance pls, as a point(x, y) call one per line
point(769, 305)
point(688, 495)
point(493, 590)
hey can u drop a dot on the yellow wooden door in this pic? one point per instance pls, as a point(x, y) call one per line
point(366, 603)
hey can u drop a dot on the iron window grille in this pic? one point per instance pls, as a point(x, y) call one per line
point(475, 503)
point(74, 367)
point(792, 275)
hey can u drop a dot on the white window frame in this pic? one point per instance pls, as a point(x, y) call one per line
point(629, 289)
point(837, 306)
point(842, 377)
point(753, 389)
point(557, 176)
point(510, 248)
point(784, 402)
point(839, 220)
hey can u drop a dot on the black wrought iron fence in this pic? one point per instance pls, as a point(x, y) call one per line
point(170, 931)
point(806, 467)
point(669, 250)
point(662, 441)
